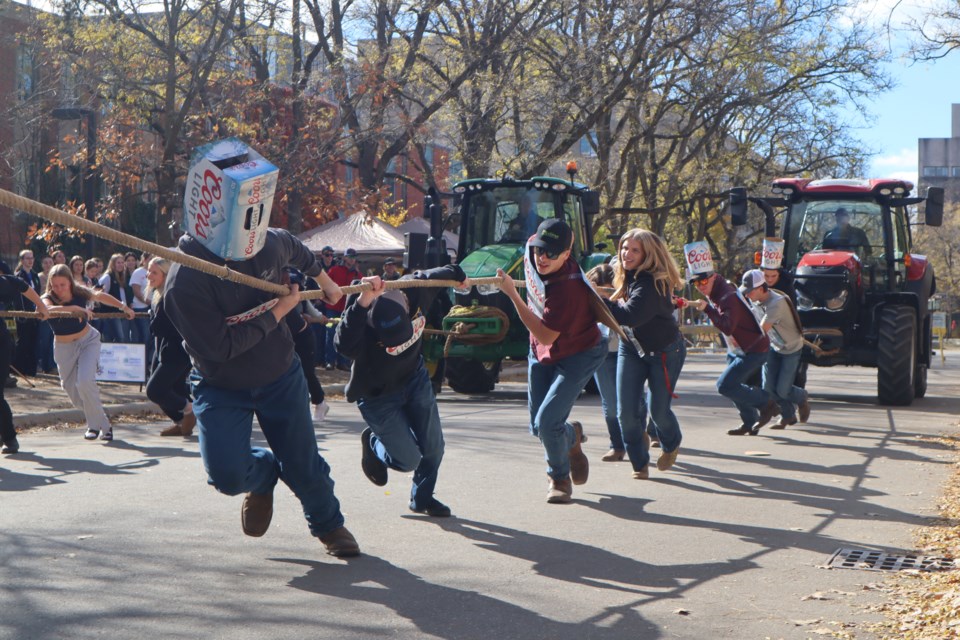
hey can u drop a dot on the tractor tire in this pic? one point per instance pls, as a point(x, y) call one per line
point(920, 382)
point(896, 355)
point(472, 377)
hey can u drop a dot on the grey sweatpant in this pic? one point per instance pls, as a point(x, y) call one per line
point(77, 362)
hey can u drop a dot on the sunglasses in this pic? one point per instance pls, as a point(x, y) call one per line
point(540, 251)
point(328, 255)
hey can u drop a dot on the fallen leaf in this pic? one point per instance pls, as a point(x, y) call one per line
point(815, 596)
point(682, 612)
point(804, 623)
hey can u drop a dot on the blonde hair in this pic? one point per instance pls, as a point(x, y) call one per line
point(76, 289)
point(657, 261)
point(163, 265)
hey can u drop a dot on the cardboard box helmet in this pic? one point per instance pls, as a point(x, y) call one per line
point(228, 198)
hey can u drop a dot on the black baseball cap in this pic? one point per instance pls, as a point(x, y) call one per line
point(390, 318)
point(350, 253)
point(389, 261)
point(553, 235)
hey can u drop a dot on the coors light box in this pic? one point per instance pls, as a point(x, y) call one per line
point(228, 198)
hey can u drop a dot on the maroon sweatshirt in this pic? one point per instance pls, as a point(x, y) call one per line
point(730, 315)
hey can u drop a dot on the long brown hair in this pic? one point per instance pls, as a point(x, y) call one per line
point(657, 261)
point(76, 289)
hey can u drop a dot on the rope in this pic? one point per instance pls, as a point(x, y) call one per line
point(223, 272)
point(69, 314)
point(461, 330)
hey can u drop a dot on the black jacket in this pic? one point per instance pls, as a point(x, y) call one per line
point(374, 371)
point(235, 355)
point(647, 313)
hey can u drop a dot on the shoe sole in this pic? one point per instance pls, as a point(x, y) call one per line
point(369, 459)
point(577, 452)
point(666, 460)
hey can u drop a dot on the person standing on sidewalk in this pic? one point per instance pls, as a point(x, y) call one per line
point(140, 302)
point(12, 287)
point(76, 347)
point(245, 365)
point(25, 358)
point(342, 274)
point(167, 386)
point(381, 332)
point(305, 344)
point(645, 278)
point(782, 324)
point(566, 348)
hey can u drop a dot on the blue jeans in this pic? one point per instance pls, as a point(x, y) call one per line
point(730, 384)
point(779, 373)
point(658, 370)
point(606, 379)
point(225, 420)
point(552, 389)
point(330, 354)
point(140, 334)
point(406, 433)
point(45, 347)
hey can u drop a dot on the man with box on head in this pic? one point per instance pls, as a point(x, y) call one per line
point(381, 332)
point(747, 344)
point(243, 354)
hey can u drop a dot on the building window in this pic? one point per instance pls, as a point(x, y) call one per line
point(587, 144)
point(955, 172)
point(935, 172)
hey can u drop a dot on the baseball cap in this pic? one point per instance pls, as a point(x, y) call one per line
point(696, 277)
point(389, 261)
point(350, 253)
point(751, 280)
point(553, 235)
point(390, 318)
point(327, 249)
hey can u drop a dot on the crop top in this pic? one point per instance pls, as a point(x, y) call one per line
point(64, 326)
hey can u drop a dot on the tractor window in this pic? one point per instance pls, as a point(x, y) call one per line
point(506, 215)
point(835, 225)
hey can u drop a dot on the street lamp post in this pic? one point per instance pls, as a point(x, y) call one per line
point(89, 171)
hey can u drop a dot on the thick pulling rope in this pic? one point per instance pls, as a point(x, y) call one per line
point(223, 272)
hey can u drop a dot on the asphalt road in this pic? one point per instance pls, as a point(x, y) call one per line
point(125, 540)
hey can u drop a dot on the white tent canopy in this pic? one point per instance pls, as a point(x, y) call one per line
point(367, 234)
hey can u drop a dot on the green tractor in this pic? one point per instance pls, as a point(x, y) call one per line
point(495, 217)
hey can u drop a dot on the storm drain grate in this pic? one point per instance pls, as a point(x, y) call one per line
point(880, 561)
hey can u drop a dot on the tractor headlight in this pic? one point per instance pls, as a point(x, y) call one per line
point(487, 289)
point(804, 303)
point(835, 304)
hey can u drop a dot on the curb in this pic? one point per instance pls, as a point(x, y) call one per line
point(76, 415)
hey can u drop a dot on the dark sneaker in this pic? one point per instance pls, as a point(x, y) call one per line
point(341, 543)
point(766, 414)
point(804, 408)
point(256, 512)
point(434, 508)
point(742, 430)
point(91, 434)
point(10, 446)
point(560, 491)
point(579, 465)
point(373, 467)
point(328, 367)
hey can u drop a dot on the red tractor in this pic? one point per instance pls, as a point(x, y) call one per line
point(861, 291)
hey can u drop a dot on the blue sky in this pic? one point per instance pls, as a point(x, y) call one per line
point(918, 107)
